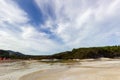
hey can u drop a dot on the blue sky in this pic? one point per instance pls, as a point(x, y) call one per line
point(43, 27)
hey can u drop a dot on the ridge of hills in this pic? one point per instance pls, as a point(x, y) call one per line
point(80, 53)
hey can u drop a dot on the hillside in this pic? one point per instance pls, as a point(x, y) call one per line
point(93, 52)
point(8, 54)
point(80, 53)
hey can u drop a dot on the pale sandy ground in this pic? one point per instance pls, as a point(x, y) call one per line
point(17, 69)
point(103, 69)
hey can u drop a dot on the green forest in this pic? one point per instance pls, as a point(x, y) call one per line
point(80, 53)
point(92, 52)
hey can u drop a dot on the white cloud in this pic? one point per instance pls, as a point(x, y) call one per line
point(10, 12)
point(84, 22)
point(76, 23)
point(16, 33)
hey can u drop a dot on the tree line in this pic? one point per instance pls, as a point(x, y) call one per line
point(92, 52)
point(80, 53)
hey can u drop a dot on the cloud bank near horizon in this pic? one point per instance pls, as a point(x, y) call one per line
point(51, 26)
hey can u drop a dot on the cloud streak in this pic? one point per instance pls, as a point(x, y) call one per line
point(67, 24)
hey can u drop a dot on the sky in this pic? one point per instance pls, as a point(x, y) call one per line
point(44, 27)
